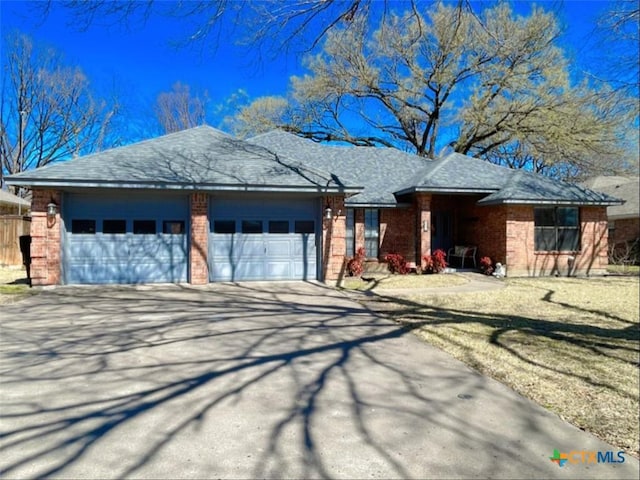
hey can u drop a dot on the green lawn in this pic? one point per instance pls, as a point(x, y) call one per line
point(571, 345)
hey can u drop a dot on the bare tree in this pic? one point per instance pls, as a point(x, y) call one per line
point(271, 24)
point(47, 110)
point(179, 109)
point(619, 30)
point(491, 85)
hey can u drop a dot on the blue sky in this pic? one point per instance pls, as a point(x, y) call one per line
point(144, 63)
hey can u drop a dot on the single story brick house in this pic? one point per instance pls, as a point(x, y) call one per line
point(201, 206)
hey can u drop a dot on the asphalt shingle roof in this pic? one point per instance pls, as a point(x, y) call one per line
point(626, 188)
point(459, 173)
point(527, 187)
point(204, 158)
point(201, 157)
point(382, 171)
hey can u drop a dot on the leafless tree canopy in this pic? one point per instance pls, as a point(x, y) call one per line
point(492, 85)
point(268, 26)
point(179, 109)
point(47, 110)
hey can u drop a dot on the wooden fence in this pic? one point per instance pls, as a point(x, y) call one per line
point(11, 228)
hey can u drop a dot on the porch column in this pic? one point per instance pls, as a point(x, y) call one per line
point(333, 238)
point(423, 217)
point(45, 239)
point(199, 244)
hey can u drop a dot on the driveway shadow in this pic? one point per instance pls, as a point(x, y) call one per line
point(248, 380)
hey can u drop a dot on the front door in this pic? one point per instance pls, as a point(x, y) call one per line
point(441, 230)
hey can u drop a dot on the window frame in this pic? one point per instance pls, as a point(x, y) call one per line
point(109, 223)
point(372, 232)
point(350, 232)
point(140, 226)
point(559, 225)
point(78, 226)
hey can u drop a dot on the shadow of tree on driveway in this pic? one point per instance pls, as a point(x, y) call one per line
point(237, 381)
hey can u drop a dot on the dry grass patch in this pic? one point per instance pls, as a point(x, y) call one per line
point(13, 285)
point(411, 281)
point(571, 345)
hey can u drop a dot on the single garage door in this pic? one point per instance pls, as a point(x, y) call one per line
point(125, 238)
point(263, 239)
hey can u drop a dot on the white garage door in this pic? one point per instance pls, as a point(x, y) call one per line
point(263, 239)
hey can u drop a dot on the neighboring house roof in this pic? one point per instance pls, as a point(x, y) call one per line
point(626, 188)
point(7, 198)
point(382, 171)
point(201, 158)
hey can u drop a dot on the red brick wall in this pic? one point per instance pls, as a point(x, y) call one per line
point(397, 232)
point(482, 226)
point(198, 268)
point(423, 217)
point(45, 239)
point(522, 259)
point(333, 239)
point(358, 227)
point(625, 230)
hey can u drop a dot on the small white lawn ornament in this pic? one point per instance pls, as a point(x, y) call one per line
point(500, 271)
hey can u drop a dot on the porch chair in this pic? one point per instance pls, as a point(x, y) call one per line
point(463, 252)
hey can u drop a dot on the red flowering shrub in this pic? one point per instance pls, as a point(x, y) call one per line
point(486, 265)
point(355, 265)
point(435, 263)
point(396, 263)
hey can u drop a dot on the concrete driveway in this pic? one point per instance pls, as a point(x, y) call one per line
point(255, 380)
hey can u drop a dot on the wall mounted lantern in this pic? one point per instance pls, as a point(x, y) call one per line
point(52, 211)
point(328, 213)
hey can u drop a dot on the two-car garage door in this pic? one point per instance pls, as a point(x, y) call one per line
point(143, 238)
point(125, 238)
point(262, 239)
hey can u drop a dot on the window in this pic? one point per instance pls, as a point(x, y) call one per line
point(304, 226)
point(278, 226)
point(83, 227)
point(144, 227)
point(252, 226)
point(173, 227)
point(371, 232)
point(350, 237)
point(224, 226)
point(114, 226)
point(557, 229)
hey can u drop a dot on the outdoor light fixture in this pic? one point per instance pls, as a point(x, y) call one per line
point(327, 212)
point(52, 210)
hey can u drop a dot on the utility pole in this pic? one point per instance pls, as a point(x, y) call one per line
point(20, 145)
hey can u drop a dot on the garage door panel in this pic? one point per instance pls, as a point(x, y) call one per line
point(114, 257)
point(249, 271)
point(278, 253)
point(279, 270)
point(304, 246)
point(88, 274)
point(224, 245)
point(278, 247)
